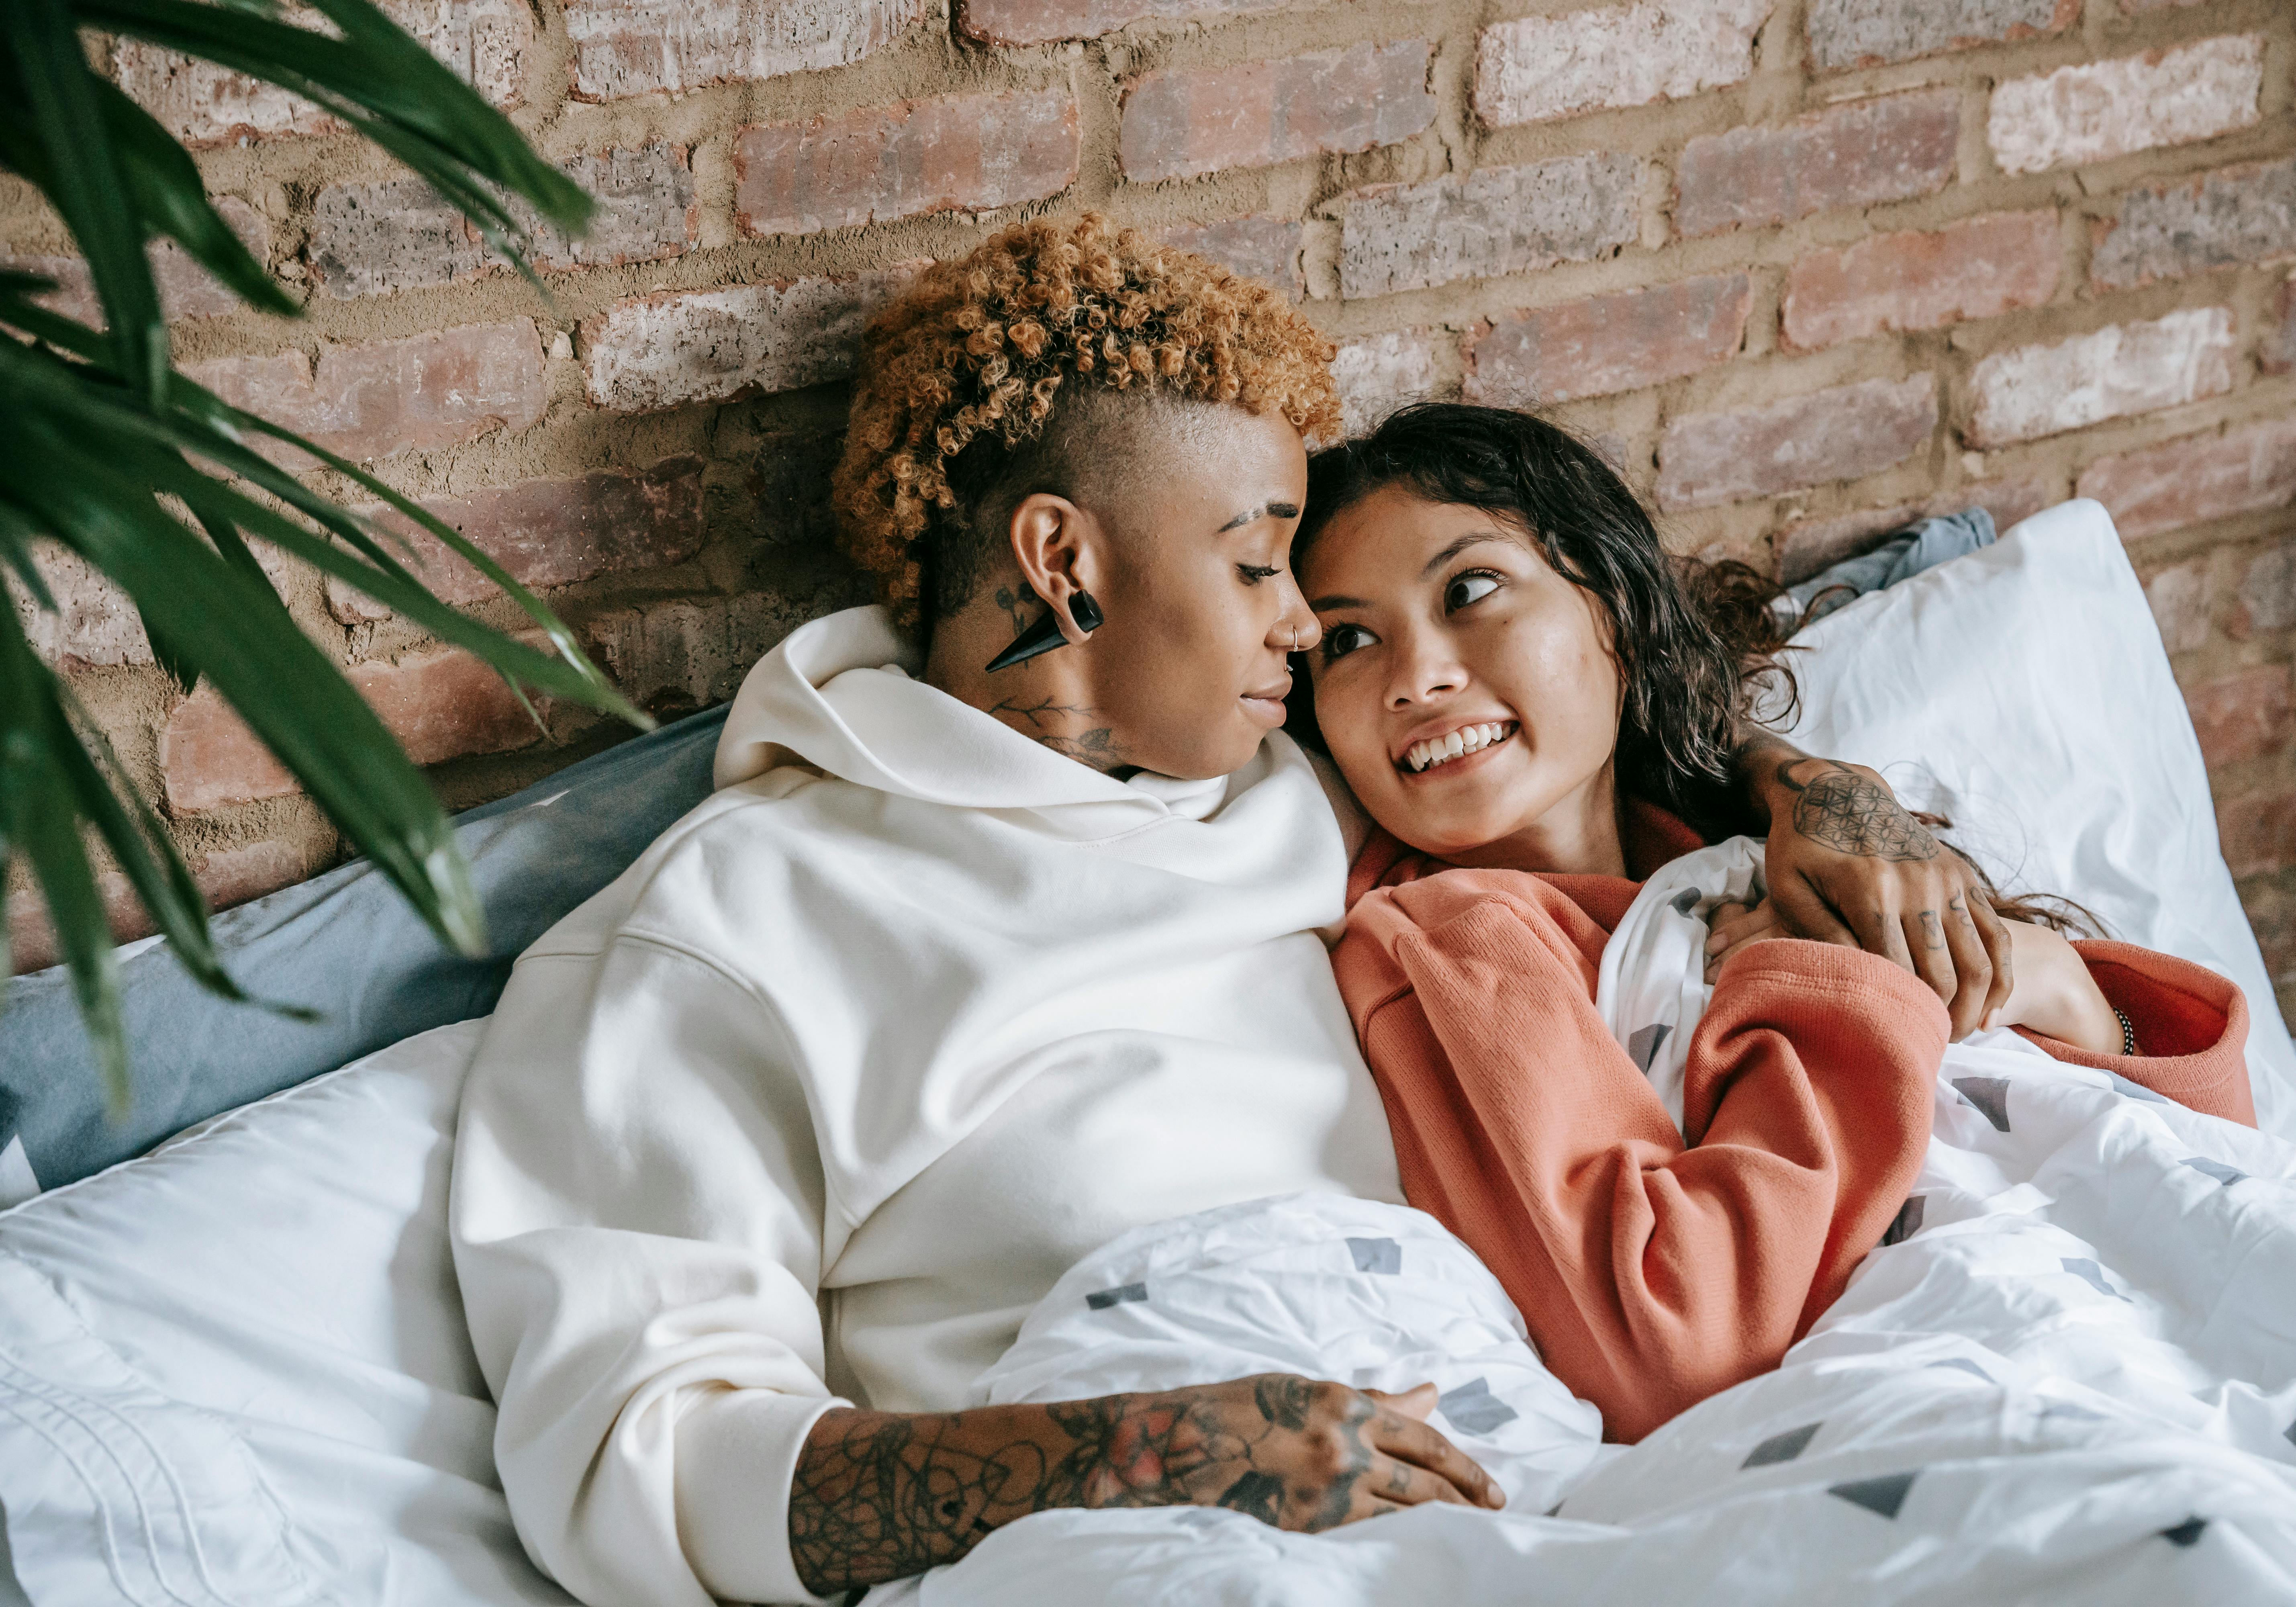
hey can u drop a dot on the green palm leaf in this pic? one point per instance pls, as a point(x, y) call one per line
point(107, 451)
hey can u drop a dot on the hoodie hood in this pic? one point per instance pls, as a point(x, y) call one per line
point(840, 695)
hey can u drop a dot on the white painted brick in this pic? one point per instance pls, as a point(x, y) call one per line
point(652, 352)
point(2035, 391)
point(2100, 110)
point(1489, 223)
point(488, 44)
point(1379, 373)
point(1542, 68)
point(627, 47)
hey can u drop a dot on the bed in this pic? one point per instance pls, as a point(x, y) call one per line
point(233, 1370)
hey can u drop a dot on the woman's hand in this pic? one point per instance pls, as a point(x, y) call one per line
point(1848, 863)
point(2055, 995)
point(880, 1495)
point(1731, 926)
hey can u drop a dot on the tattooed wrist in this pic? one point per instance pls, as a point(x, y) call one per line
point(880, 1495)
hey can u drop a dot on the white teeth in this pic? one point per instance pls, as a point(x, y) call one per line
point(1467, 739)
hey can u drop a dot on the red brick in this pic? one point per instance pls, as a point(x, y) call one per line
point(2258, 831)
point(1979, 268)
point(1265, 248)
point(185, 289)
point(1379, 373)
point(2030, 391)
point(2183, 599)
point(1038, 21)
point(1880, 149)
point(1492, 222)
point(2271, 910)
point(1183, 121)
point(2096, 110)
point(627, 47)
point(1538, 69)
point(973, 151)
point(1844, 433)
point(2183, 482)
point(366, 402)
point(2244, 716)
point(550, 532)
point(488, 44)
point(398, 234)
point(2230, 216)
point(652, 352)
point(1609, 343)
point(2268, 592)
point(2279, 353)
point(439, 704)
point(1865, 33)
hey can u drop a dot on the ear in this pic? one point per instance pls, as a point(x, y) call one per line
point(1061, 550)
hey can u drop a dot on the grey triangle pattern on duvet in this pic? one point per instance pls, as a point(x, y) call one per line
point(1643, 1046)
point(1781, 1448)
point(1990, 1094)
point(1885, 1494)
point(1474, 1408)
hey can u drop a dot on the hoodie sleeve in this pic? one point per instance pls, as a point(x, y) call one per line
point(637, 1218)
point(2191, 1026)
point(1652, 1273)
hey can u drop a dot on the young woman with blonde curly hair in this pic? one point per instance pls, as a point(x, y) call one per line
point(999, 938)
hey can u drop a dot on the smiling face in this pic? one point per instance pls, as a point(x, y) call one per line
point(1468, 691)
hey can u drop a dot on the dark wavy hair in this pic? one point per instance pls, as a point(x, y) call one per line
point(1693, 640)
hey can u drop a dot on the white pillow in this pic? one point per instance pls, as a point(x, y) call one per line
point(236, 1371)
point(2022, 691)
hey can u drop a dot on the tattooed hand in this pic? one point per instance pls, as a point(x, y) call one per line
point(1848, 863)
point(880, 1495)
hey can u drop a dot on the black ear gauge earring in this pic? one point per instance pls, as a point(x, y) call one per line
point(1045, 635)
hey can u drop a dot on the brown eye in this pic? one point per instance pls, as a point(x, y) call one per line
point(1472, 586)
point(1342, 640)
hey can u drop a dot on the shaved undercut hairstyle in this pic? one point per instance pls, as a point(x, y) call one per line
point(1062, 356)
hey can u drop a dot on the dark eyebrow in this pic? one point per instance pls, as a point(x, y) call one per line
point(1321, 604)
point(1456, 548)
point(1281, 510)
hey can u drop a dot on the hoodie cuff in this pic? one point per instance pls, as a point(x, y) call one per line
point(737, 1452)
point(2191, 1025)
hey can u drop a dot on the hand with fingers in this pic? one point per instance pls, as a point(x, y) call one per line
point(880, 1495)
point(1848, 863)
point(1293, 1452)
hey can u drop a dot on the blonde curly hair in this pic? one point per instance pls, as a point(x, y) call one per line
point(974, 359)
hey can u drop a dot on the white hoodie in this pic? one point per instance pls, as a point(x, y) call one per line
point(821, 1095)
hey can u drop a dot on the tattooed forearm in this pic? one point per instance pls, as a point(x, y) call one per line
point(1846, 812)
point(880, 1495)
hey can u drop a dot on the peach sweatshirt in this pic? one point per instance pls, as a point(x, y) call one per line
point(1656, 1267)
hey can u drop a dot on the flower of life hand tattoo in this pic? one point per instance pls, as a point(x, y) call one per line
point(1848, 813)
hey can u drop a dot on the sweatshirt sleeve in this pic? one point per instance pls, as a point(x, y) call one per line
point(637, 1219)
point(1651, 1274)
point(2191, 1027)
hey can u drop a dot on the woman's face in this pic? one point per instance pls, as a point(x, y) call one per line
point(1189, 673)
point(1468, 691)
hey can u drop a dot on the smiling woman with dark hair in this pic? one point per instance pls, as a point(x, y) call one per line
point(1523, 689)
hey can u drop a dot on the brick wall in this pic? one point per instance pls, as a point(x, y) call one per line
point(1804, 268)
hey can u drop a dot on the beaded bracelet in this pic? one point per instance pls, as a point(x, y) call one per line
point(2127, 1031)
